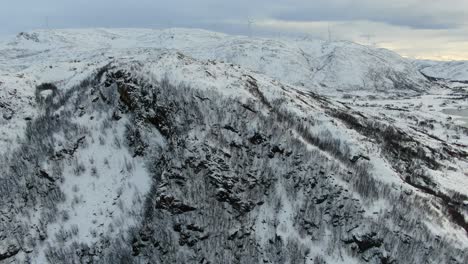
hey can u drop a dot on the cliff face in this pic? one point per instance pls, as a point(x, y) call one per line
point(157, 157)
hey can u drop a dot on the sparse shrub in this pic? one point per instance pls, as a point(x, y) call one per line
point(78, 168)
point(74, 230)
point(94, 171)
point(117, 142)
point(65, 216)
point(102, 141)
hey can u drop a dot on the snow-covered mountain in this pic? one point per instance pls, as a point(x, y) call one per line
point(316, 64)
point(449, 70)
point(184, 146)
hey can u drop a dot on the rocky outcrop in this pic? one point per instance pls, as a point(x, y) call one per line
point(9, 252)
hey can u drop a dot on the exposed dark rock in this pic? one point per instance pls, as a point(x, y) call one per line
point(135, 141)
point(116, 116)
point(10, 251)
point(173, 205)
point(354, 159)
point(274, 150)
point(321, 199)
point(47, 86)
point(367, 241)
point(230, 128)
point(69, 151)
point(236, 202)
point(257, 139)
point(7, 113)
point(46, 175)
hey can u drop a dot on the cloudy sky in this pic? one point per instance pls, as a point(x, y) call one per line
point(433, 29)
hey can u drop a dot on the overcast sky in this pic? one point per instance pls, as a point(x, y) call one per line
point(435, 29)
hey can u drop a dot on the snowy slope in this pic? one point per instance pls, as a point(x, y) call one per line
point(150, 151)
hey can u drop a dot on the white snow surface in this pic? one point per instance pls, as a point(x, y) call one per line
point(107, 196)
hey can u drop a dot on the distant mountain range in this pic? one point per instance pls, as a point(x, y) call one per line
point(317, 64)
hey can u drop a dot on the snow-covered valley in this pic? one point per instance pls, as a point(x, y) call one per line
point(189, 146)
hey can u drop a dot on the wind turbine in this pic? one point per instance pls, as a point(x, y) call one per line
point(369, 37)
point(250, 24)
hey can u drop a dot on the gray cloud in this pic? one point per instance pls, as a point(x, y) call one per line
point(394, 17)
point(421, 14)
point(418, 14)
point(22, 15)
